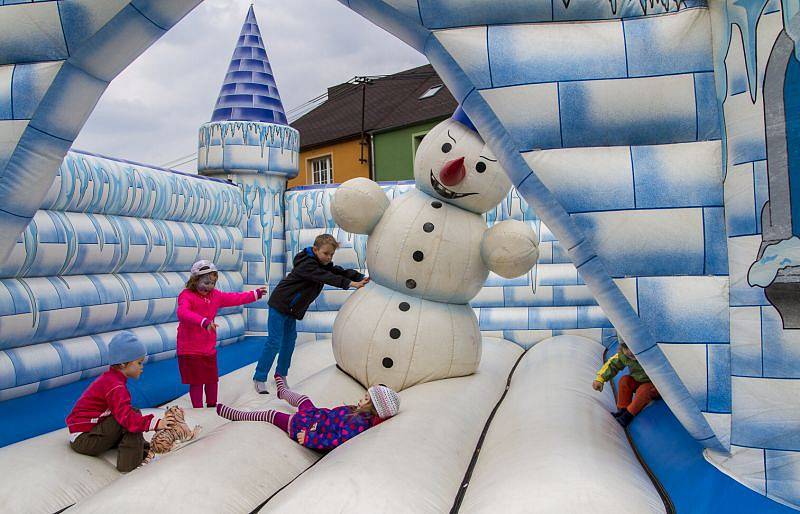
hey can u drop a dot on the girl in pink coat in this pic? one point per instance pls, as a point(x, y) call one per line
point(197, 333)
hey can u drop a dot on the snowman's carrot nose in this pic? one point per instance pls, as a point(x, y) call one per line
point(453, 172)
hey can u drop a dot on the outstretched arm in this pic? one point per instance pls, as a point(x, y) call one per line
point(609, 370)
point(358, 205)
point(309, 269)
point(347, 273)
point(234, 299)
point(119, 400)
point(509, 248)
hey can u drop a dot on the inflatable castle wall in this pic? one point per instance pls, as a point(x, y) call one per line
point(652, 146)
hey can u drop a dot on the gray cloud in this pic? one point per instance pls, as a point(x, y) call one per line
point(152, 110)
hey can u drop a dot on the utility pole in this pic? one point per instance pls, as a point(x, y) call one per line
point(364, 81)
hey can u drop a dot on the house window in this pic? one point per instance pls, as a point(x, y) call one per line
point(416, 139)
point(321, 170)
point(431, 91)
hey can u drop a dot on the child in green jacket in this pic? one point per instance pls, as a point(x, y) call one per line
point(636, 382)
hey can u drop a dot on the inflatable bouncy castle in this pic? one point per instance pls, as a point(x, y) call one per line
point(617, 170)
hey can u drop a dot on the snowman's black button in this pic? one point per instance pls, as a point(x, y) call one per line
point(436, 205)
point(394, 333)
point(411, 283)
point(404, 306)
point(387, 362)
point(428, 227)
point(418, 256)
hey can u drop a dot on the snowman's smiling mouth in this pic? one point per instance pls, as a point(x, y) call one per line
point(444, 192)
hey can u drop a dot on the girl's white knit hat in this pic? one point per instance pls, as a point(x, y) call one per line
point(385, 400)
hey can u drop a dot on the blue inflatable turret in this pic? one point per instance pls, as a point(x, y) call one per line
point(249, 142)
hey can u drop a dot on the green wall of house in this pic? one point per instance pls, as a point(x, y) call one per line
point(394, 151)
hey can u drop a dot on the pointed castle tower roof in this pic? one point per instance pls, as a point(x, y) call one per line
point(249, 92)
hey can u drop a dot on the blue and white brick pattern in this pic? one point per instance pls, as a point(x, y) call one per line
point(626, 136)
point(764, 361)
point(249, 92)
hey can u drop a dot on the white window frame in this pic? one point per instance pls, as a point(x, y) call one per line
point(431, 91)
point(320, 175)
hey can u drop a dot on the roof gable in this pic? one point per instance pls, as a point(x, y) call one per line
point(389, 102)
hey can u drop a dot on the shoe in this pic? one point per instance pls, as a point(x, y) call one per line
point(625, 418)
point(618, 413)
point(261, 387)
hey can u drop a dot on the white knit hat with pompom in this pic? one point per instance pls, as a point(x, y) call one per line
point(385, 400)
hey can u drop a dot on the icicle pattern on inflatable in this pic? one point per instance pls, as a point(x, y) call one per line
point(110, 250)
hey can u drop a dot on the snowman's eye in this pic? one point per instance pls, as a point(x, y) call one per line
point(446, 147)
point(480, 167)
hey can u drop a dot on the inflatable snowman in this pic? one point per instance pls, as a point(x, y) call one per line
point(429, 252)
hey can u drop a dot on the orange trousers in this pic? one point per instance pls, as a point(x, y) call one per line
point(645, 393)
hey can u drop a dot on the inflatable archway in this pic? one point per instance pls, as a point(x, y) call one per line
point(58, 58)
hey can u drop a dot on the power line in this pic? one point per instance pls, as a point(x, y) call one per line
point(171, 163)
point(182, 162)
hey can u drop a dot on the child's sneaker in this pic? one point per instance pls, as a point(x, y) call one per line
point(625, 418)
point(261, 387)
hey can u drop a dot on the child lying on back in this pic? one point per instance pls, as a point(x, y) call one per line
point(320, 428)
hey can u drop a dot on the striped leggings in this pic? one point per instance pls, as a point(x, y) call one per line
point(279, 419)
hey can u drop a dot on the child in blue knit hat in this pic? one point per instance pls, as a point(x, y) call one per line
point(103, 418)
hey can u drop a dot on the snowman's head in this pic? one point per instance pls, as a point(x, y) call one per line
point(455, 165)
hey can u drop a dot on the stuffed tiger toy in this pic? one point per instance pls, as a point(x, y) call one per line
point(165, 440)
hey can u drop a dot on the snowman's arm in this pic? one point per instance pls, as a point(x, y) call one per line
point(358, 205)
point(509, 248)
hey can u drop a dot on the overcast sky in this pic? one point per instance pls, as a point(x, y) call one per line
point(152, 110)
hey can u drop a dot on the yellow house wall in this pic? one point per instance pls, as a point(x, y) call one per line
point(345, 162)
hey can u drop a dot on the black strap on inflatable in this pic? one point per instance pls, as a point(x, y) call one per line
point(462, 491)
point(662, 492)
point(261, 505)
point(465, 483)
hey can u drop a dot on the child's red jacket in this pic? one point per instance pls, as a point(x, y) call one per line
point(108, 396)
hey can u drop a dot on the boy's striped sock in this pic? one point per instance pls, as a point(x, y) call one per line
point(240, 415)
point(284, 393)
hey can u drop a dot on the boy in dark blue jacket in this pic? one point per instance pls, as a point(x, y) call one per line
point(289, 302)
